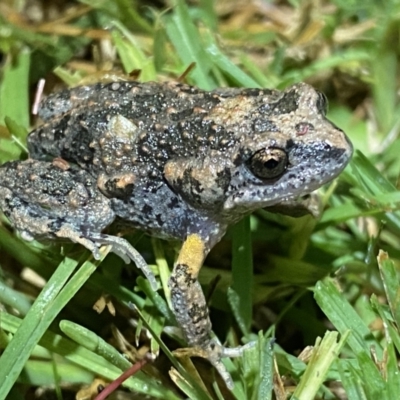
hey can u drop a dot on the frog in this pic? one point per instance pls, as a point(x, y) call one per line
point(175, 161)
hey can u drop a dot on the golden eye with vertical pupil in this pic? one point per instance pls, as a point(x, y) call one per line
point(268, 163)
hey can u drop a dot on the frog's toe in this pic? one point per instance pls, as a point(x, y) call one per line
point(67, 231)
point(127, 252)
point(213, 351)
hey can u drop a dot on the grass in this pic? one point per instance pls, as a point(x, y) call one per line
point(322, 302)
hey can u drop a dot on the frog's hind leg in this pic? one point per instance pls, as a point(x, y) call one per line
point(59, 200)
point(191, 310)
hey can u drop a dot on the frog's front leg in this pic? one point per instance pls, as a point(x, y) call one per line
point(59, 200)
point(191, 311)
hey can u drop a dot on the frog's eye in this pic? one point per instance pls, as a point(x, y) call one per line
point(322, 103)
point(268, 163)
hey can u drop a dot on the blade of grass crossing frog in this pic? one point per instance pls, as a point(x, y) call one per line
point(185, 38)
point(344, 317)
point(242, 274)
point(14, 96)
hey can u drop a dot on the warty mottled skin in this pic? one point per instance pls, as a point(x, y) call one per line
point(175, 161)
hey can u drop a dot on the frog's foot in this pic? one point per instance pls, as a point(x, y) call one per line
point(213, 351)
point(68, 232)
point(127, 252)
point(119, 246)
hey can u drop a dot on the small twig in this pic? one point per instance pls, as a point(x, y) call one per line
point(123, 377)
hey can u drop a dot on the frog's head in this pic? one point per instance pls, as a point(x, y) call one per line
point(292, 151)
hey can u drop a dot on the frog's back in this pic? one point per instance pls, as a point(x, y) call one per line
point(152, 120)
point(135, 123)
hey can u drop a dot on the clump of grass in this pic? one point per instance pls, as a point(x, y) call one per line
point(292, 283)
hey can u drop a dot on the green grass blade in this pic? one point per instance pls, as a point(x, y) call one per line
point(14, 95)
point(266, 382)
point(225, 64)
point(131, 54)
point(93, 342)
point(390, 281)
point(344, 318)
point(324, 353)
point(385, 71)
point(351, 381)
point(33, 327)
point(91, 361)
point(187, 381)
point(14, 298)
point(40, 373)
point(184, 36)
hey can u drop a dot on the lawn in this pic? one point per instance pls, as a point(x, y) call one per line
point(318, 294)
